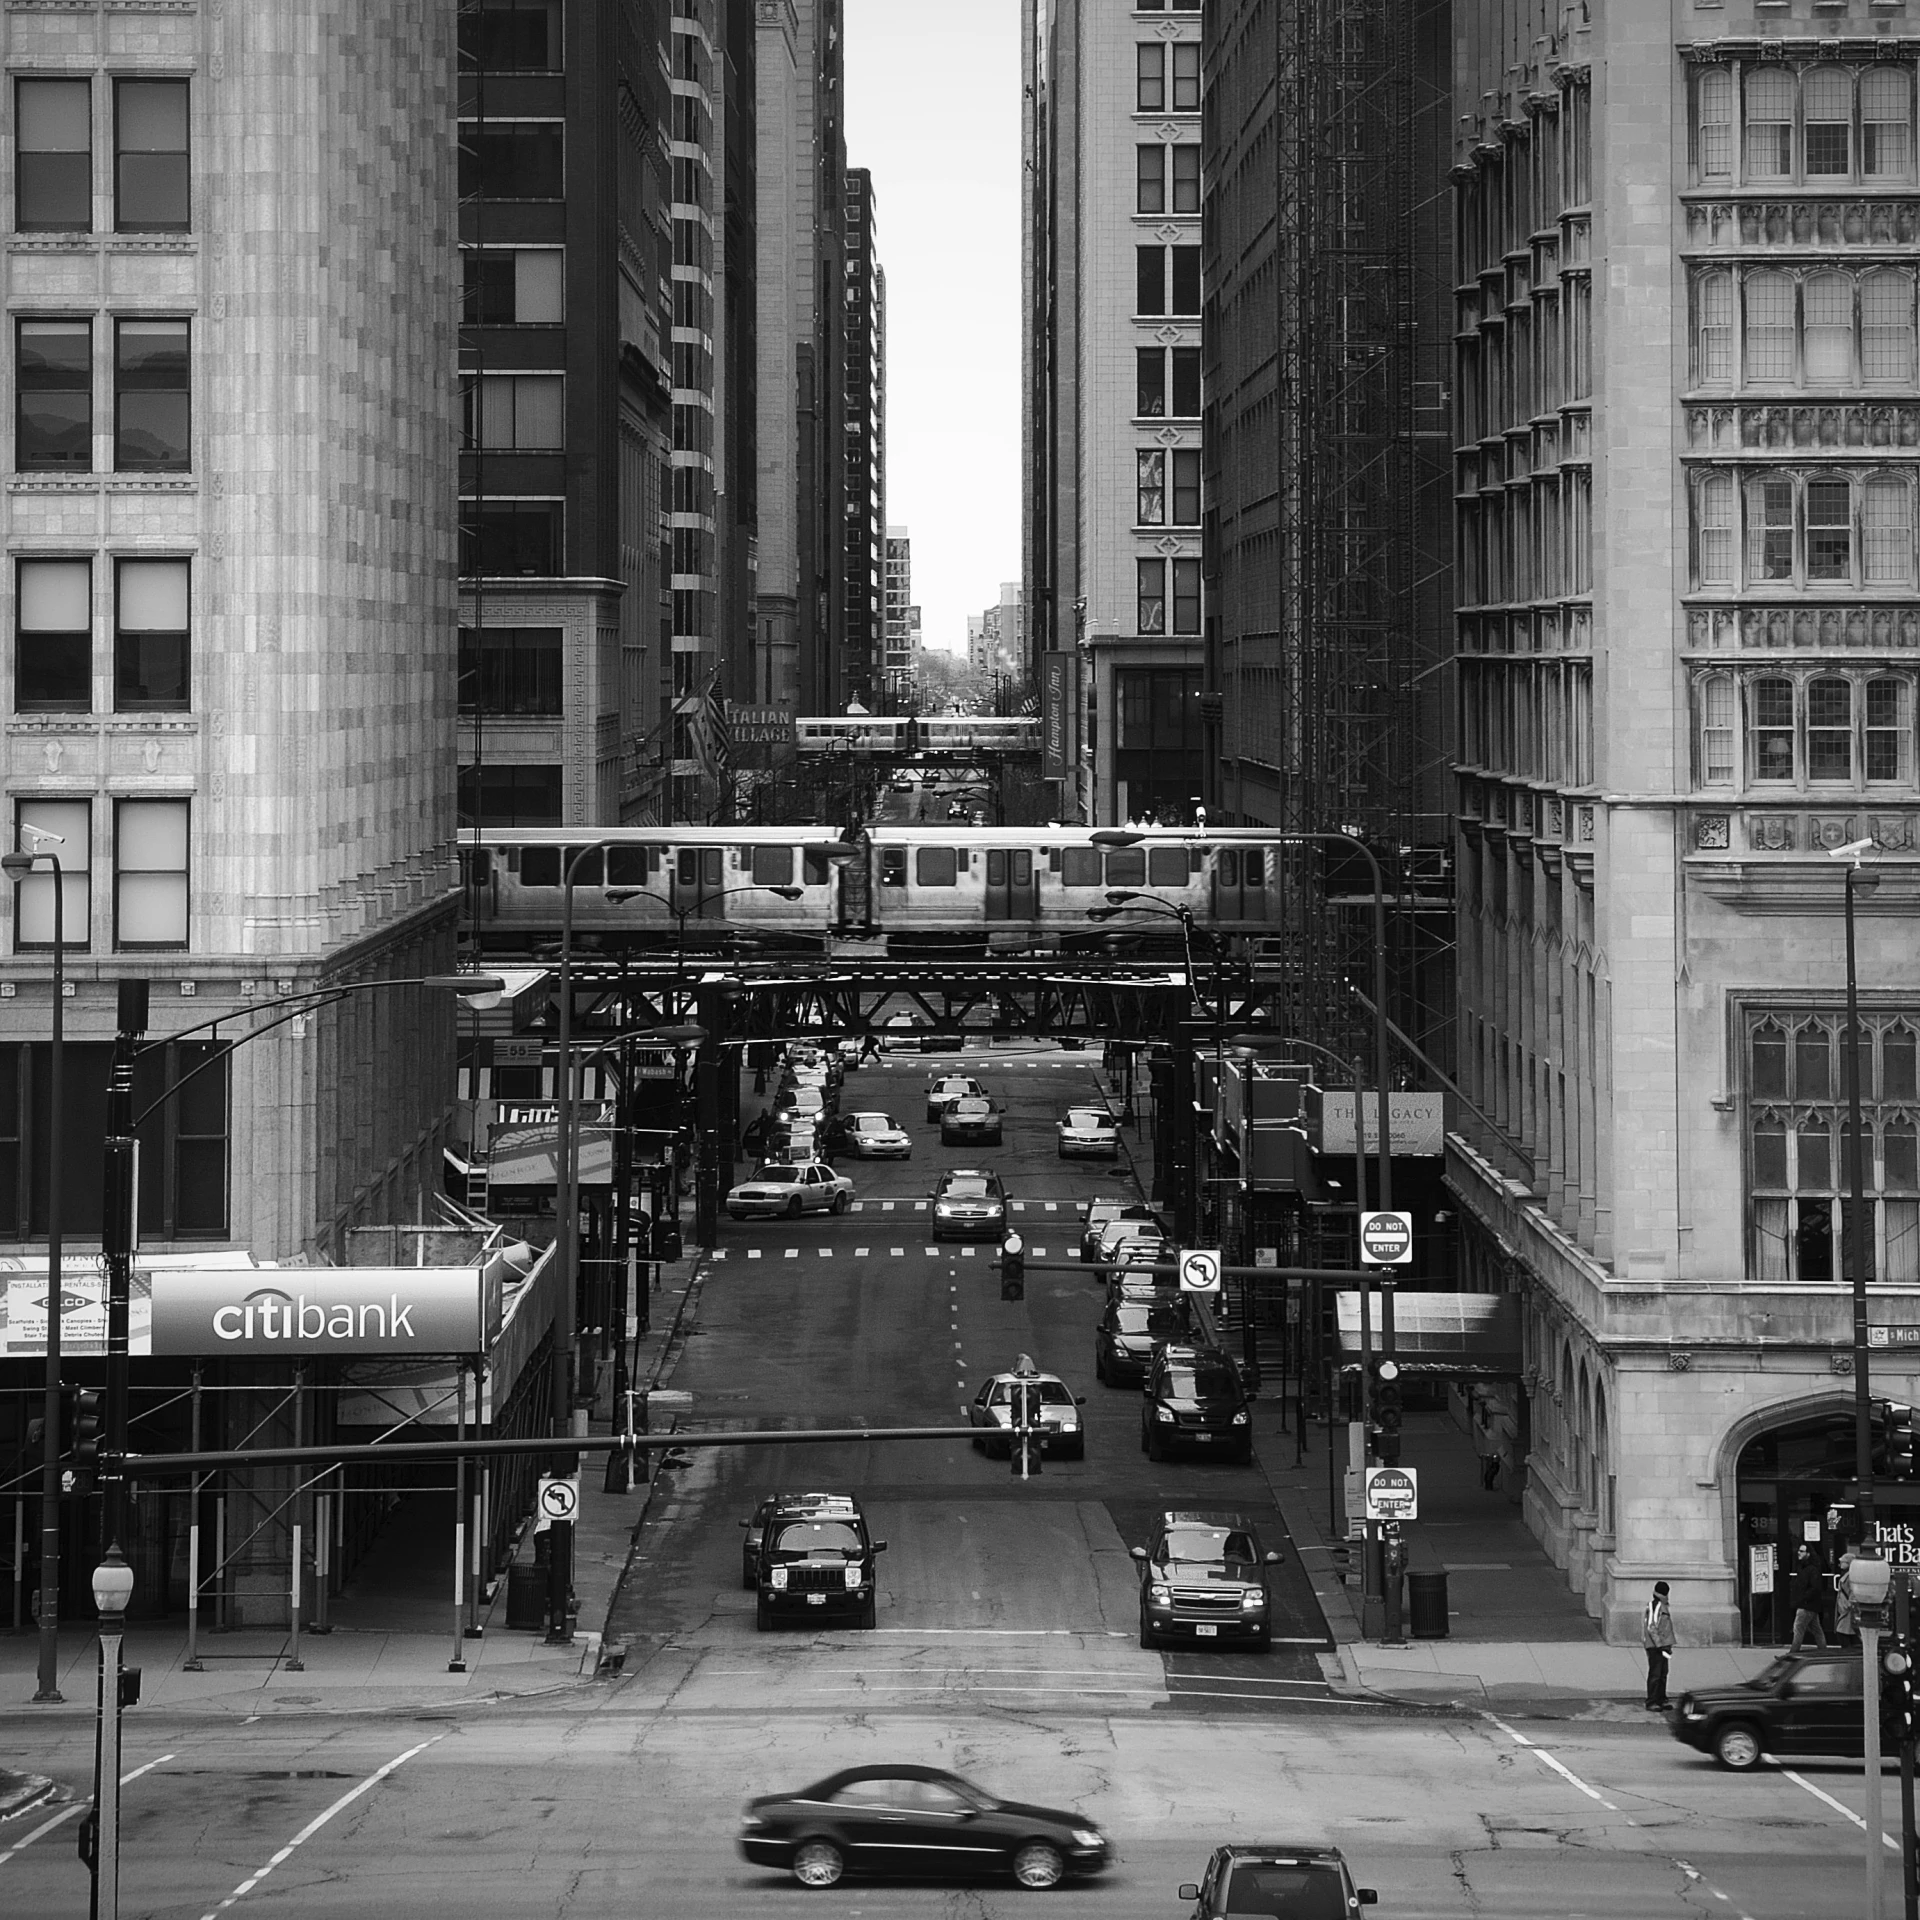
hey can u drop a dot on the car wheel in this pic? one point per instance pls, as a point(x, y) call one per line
point(1079, 1448)
point(1265, 1642)
point(1148, 1638)
point(1038, 1866)
point(1146, 1441)
point(1737, 1746)
point(762, 1617)
point(818, 1864)
point(1244, 1458)
point(794, 1208)
point(841, 1202)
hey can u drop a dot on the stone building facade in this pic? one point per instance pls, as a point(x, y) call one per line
point(1687, 417)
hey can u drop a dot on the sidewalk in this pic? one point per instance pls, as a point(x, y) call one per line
point(393, 1641)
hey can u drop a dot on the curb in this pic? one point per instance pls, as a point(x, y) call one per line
point(22, 1792)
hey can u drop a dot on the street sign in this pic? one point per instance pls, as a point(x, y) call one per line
point(1393, 1493)
point(1893, 1336)
point(1199, 1269)
point(559, 1499)
point(1386, 1239)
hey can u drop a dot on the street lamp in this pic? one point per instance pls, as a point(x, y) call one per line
point(112, 1589)
point(18, 866)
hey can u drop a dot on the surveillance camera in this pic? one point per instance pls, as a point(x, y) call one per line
point(1851, 851)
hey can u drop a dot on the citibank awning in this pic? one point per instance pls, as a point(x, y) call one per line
point(1471, 1334)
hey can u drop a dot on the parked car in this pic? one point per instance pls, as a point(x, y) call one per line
point(969, 1204)
point(1117, 1232)
point(915, 1821)
point(1097, 1215)
point(904, 1030)
point(1195, 1398)
point(972, 1119)
point(1204, 1578)
point(1143, 1250)
point(1130, 1329)
point(1803, 1703)
point(944, 1088)
point(1089, 1131)
point(992, 1408)
point(816, 1562)
point(1294, 1883)
point(870, 1136)
point(791, 1188)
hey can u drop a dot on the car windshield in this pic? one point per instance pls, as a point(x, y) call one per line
point(773, 1170)
point(1144, 1317)
point(969, 1187)
point(1204, 1380)
point(1086, 1117)
point(804, 1537)
point(971, 1106)
point(1206, 1546)
point(952, 1086)
point(1053, 1393)
point(1292, 1892)
point(872, 1123)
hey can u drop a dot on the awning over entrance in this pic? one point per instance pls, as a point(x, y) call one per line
point(1469, 1334)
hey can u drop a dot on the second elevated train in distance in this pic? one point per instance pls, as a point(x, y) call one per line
point(917, 888)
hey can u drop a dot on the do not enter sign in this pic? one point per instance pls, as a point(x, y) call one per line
point(1386, 1239)
point(1392, 1493)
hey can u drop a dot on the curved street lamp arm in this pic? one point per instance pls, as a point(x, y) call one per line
point(233, 1046)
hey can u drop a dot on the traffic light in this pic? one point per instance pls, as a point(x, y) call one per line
point(1023, 1448)
point(1896, 1689)
point(1013, 1268)
point(1385, 1409)
point(1899, 1438)
point(86, 1439)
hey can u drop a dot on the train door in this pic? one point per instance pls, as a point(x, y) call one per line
point(1010, 888)
point(697, 881)
point(1240, 883)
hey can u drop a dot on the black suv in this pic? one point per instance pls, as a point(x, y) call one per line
point(1295, 1883)
point(816, 1562)
point(1195, 1398)
point(1205, 1578)
point(1803, 1703)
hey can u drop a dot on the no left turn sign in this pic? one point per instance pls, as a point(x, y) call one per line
point(1200, 1270)
point(559, 1499)
point(1386, 1239)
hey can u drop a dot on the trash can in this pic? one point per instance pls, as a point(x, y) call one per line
point(1427, 1605)
point(526, 1598)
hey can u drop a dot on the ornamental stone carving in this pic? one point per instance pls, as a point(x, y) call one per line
point(1713, 832)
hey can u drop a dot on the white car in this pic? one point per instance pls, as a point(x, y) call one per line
point(1089, 1130)
point(943, 1089)
point(779, 1187)
point(871, 1136)
point(992, 1407)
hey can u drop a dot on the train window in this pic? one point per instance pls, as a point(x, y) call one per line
point(588, 866)
point(1127, 867)
point(1080, 866)
point(773, 866)
point(539, 866)
point(935, 867)
point(815, 869)
point(1167, 867)
point(893, 866)
point(1226, 868)
point(626, 866)
point(1253, 865)
point(476, 866)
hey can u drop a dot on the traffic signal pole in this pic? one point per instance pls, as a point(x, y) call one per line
point(1903, 1638)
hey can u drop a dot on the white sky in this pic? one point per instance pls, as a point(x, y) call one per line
point(933, 108)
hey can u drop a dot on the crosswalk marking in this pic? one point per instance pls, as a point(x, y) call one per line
point(826, 1253)
point(753, 1253)
point(899, 1253)
point(793, 1253)
point(719, 1253)
point(1053, 1206)
point(886, 1206)
point(859, 1206)
point(919, 1206)
point(860, 1253)
point(966, 1253)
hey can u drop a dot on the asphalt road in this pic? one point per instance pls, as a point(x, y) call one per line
point(1006, 1649)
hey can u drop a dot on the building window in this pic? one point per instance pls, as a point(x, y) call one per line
point(1186, 179)
point(1713, 329)
point(1150, 77)
point(511, 670)
point(1151, 596)
point(53, 637)
point(1184, 385)
point(1769, 327)
point(1151, 487)
point(1887, 736)
point(1186, 596)
point(1186, 487)
point(510, 796)
point(1799, 1145)
point(512, 160)
point(1807, 728)
point(1886, 327)
point(151, 180)
point(53, 403)
point(1714, 533)
point(935, 867)
point(511, 36)
point(1886, 124)
point(71, 821)
point(1713, 124)
point(517, 411)
point(150, 636)
point(1150, 281)
point(1769, 124)
point(499, 537)
point(1817, 529)
point(514, 286)
point(1186, 76)
point(1822, 124)
point(1150, 195)
point(52, 156)
point(1150, 384)
point(151, 407)
point(1184, 273)
point(1716, 731)
point(150, 874)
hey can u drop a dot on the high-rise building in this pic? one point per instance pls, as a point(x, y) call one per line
point(1113, 439)
point(1689, 619)
point(862, 673)
point(231, 536)
point(566, 305)
point(900, 635)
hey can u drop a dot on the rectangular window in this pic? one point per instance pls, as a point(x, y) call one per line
point(1889, 728)
point(1186, 76)
point(1168, 867)
point(513, 160)
point(522, 412)
point(1186, 487)
point(935, 867)
point(1151, 595)
point(1713, 329)
point(1127, 867)
point(53, 637)
point(1888, 533)
point(1770, 530)
point(1886, 123)
point(1827, 304)
point(1770, 327)
point(1716, 732)
point(1186, 596)
point(150, 636)
point(1186, 179)
point(151, 183)
point(510, 670)
point(52, 156)
point(1772, 709)
point(1150, 383)
point(1886, 327)
point(71, 821)
point(1184, 401)
point(511, 537)
point(150, 874)
point(1150, 508)
point(1150, 193)
point(773, 866)
point(1715, 499)
point(1830, 729)
point(152, 414)
point(514, 286)
point(1185, 263)
point(1080, 867)
point(1829, 530)
point(1150, 77)
point(1713, 138)
point(1769, 148)
point(510, 797)
point(1827, 116)
point(53, 402)
point(1150, 280)
point(511, 36)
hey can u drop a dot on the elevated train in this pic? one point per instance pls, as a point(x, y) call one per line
point(930, 733)
point(918, 888)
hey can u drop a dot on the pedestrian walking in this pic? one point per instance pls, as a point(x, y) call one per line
point(1656, 1635)
point(1806, 1591)
point(1844, 1628)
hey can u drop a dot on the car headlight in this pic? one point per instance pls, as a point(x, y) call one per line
point(748, 1821)
point(853, 1576)
point(1088, 1837)
point(944, 1210)
point(1252, 1602)
point(779, 1578)
point(1164, 1413)
point(1160, 1596)
point(1240, 1418)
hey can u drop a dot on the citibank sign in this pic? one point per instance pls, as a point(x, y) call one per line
point(301, 1311)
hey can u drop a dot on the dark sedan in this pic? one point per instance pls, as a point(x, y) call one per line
point(915, 1823)
point(974, 1119)
point(1803, 1703)
point(1129, 1331)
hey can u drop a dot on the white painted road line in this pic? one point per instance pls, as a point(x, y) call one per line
point(899, 1253)
point(1547, 1760)
point(754, 1253)
point(1844, 1811)
point(314, 1825)
point(860, 1253)
point(793, 1253)
point(79, 1806)
point(1693, 1873)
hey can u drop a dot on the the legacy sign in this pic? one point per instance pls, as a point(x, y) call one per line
point(296, 1311)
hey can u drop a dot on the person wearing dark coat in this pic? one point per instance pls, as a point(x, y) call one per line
point(1806, 1590)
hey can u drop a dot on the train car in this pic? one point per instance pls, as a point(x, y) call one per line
point(846, 733)
point(968, 733)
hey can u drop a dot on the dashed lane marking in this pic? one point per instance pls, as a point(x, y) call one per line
point(792, 1253)
point(862, 1253)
